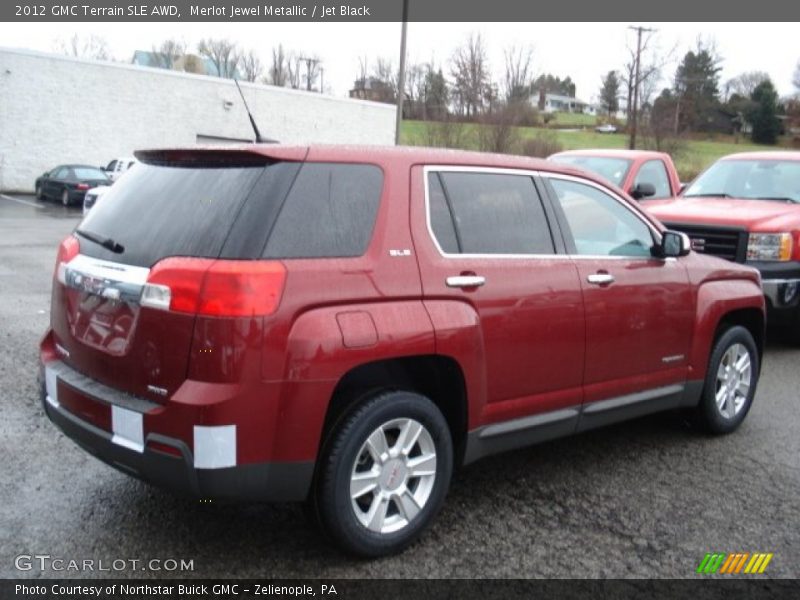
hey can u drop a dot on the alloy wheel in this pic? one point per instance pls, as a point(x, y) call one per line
point(734, 378)
point(393, 475)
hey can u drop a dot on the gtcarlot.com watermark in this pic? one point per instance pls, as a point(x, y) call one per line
point(46, 562)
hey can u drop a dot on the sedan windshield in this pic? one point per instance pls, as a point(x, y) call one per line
point(611, 169)
point(750, 180)
point(89, 173)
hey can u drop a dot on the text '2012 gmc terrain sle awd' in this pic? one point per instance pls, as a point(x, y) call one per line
point(345, 326)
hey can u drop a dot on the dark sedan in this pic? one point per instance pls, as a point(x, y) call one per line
point(68, 183)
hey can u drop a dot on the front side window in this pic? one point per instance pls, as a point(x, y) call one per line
point(601, 225)
point(487, 213)
point(654, 171)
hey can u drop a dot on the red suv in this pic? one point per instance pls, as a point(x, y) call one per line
point(345, 326)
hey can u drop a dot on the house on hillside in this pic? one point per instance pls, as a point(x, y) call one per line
point(550, 103)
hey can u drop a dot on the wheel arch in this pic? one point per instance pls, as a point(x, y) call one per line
point(438, 377)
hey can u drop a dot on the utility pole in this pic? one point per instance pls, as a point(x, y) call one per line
point(309, 62)
point(635, 108)
point(321, 80)
point(401, 77)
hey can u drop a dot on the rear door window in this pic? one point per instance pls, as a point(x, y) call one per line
point(493, 213)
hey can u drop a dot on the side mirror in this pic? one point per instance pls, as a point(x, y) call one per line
point(642, 190)
point(674, 244)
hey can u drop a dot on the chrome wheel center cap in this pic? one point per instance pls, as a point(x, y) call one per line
point(393, 474)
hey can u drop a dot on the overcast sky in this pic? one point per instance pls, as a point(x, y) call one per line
point(584, 51)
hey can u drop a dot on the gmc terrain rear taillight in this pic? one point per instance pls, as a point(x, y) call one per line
point(216, 288)
point(69, 249)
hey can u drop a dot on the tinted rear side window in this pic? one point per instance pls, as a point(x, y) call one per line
point(329, 212)
point(159, 211)
point(497, 214)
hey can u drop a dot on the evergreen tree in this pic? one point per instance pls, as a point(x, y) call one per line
point(609, 93)
point(763, 115)
point(697, 87)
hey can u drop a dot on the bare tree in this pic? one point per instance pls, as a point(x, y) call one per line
point(279, 70)
point(222, 54)
point(293, 71)
point(251, 66)
point(93, 46)
point(745, 83)
point(166, 54)
point(363, 71)
point(651, 63)
point(518, 75)
point(312, 70)
point(385, 78)
point(469, 68)
point(415, 82)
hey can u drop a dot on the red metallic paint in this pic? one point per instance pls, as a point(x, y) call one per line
point(520, 341)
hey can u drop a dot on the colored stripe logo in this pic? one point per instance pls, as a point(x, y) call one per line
point(734, 563)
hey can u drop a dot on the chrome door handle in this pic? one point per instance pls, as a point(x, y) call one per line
point(600, 278)
point(465, 281)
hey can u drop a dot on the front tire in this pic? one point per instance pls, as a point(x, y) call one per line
point(39, 193)
point(730, 383)
point(384, 474)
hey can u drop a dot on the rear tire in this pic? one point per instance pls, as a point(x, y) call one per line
point(730, 383)
point(384, 474)
point(65, 198)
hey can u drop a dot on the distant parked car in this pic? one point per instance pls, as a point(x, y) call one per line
point(606, 128)
point(118, 166)
point(69, 183)
point(92, 196)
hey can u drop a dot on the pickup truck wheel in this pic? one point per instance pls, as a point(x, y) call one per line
point(385, 474)
point(730, 383)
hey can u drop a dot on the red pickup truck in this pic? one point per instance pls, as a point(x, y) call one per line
point(346, 326)
point(643, 174)
point(746, 208)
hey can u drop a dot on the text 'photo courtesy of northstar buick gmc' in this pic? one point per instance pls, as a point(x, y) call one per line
point(346, 327)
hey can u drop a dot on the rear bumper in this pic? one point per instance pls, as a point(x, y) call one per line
point(169, 463)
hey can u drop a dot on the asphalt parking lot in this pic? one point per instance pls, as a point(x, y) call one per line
point(642, 499)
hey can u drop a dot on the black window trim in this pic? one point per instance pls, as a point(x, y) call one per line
point(555, 235)
point(567, 233)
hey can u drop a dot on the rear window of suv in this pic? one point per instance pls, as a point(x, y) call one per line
point(278, 210)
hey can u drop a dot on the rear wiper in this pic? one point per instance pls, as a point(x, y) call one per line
point(105, 242)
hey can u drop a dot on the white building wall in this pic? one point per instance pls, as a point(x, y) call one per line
point(55, 109)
